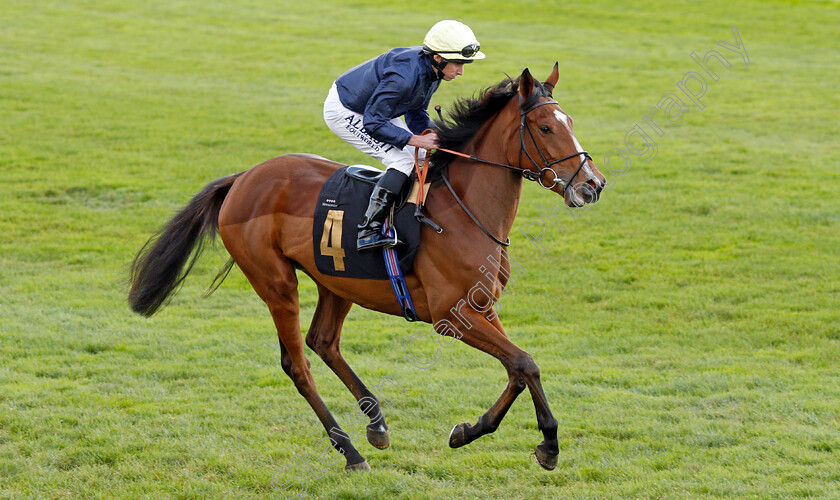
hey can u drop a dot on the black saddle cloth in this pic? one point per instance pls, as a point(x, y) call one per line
point(341, 207)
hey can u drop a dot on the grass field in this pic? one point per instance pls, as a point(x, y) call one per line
point(687, 326)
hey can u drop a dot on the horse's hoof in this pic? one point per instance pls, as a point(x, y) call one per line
point(546, 460)
point(458, 436)
point(363, 466)
point(379, 439)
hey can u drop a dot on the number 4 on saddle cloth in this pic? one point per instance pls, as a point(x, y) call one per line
point(341, 207)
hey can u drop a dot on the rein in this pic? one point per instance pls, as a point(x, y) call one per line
point(528, 174)
point(467, 210)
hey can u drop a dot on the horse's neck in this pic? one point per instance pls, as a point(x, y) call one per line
point(490, 192)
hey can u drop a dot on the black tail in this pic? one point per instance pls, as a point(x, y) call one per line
point(158, 268)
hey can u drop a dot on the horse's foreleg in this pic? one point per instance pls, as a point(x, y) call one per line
point(324, 337)
point(522, 372)
point(465, 433)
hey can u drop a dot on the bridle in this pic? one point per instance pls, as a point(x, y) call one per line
point(540, 173)
point(539, 176)
point(528, 174)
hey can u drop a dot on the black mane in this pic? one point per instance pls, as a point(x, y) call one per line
point(469, 114)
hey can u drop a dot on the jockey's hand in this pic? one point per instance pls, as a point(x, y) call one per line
point(428, 141)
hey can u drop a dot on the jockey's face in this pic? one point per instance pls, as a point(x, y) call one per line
point(452, 70)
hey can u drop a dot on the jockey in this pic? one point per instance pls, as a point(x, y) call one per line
point(365, 104)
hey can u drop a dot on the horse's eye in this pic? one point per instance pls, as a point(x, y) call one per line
point(544, 129)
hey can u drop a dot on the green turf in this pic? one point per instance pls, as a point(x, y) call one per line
point(686, 326)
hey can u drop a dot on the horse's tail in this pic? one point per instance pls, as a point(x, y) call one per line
point(158, 268)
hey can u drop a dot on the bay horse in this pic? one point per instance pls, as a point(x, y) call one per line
point(510, 132)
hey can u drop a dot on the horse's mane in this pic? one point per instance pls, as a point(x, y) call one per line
point(469, 114)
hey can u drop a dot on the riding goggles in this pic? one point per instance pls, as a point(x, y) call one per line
point(468, 51)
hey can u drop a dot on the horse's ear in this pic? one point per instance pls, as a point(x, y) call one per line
point(526, 84)
point(551, 82)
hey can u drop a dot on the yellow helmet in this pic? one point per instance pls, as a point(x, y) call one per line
point(454, 41)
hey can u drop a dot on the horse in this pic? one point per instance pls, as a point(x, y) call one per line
point(510, 132)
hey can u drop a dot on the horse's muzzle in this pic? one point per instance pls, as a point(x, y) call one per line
point(585, 192)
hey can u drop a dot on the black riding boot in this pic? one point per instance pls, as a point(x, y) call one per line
point(385, 194)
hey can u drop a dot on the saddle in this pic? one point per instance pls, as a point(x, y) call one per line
point(365, 173)
point(340, 208)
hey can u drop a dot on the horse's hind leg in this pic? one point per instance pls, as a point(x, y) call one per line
point(273, 278)
point(324, 337)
